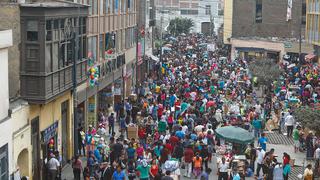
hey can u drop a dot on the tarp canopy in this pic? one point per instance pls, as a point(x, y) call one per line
point(235, 134)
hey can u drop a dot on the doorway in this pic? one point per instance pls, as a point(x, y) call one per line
point(35, 148)
point(65, 127)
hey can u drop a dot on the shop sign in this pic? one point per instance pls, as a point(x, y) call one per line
point(117, 91)
point(50, 132)
point(287, 45)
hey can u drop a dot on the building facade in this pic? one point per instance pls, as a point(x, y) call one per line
point(270, 21)
point(207, 15)
point(312, 26)
point(111, 46)
point(6, 146)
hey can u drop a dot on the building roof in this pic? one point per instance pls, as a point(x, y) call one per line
point(53, 4)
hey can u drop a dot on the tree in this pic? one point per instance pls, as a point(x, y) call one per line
point(180, 25)
point(265, 70)
point(308, 117)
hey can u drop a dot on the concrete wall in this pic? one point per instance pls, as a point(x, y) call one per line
point(227, 26)
point(10, 19)
point(22, 149)
point(274, 23)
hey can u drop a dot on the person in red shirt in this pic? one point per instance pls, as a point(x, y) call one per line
point(188, 155)
point(286, 159)
point(169, 147)
point(173, 140)
point(154, 170)
point(142, 134)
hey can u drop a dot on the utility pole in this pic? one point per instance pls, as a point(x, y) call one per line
point(75, 84)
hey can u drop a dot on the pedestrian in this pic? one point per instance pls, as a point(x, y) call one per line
point(263, 141)
point(197, 164)
point(289, 123)
point(309, 145)
point(296, 139)
point(286, 171)
point(53, 166)
point(188, 155)
point(118, 174)
point(257, 125)
point(144, 170)
point(260, 157)
point(308, 173)
point(205, 174)
point(223, 167)
point(77, 167)
point(111, 121)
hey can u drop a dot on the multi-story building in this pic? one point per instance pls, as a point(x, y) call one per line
point(207, 15)
point(41, 81)
point(312, 25)
point(264, 29)
point(111, 46)
point(146, 23)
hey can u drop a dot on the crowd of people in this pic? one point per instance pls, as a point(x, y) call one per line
point(177, 109)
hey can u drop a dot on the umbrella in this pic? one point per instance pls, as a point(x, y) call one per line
point(235, 134)
point(168, 45)
point(210, 103)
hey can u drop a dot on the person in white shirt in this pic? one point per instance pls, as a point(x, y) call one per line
point(53, 166)
point(260, 156)
point(289, 122)
point(223, 167)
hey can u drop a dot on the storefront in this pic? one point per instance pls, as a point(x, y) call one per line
point(49, 140)
point(92, 111)
point(105, 98)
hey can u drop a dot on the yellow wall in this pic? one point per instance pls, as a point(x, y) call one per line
point(227, 27)
point(50, 113)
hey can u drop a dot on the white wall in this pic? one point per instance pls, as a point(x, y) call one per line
point(5, 42)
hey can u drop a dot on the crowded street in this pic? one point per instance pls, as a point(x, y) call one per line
point(197, 116)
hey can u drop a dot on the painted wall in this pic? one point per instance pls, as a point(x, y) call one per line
point(50, 113)
point(227, 26)
point(21, 137)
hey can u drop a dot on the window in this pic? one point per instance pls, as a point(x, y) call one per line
point(303, 12)
point(208, 9)
point(116, 6)
point(32, 30)
point(101, 7)
point(48, 30)
point(95, 7)
point(258, 11)
point(107, 7)
point(188, 12)
point(92, 47)
point(91, 6)
point(4, 168)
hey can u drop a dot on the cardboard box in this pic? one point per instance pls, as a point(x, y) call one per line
point(132, 132)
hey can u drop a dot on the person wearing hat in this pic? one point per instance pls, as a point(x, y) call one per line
point(144, 170)
point(261, 153)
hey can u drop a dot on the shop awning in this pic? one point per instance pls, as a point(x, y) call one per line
point(248, 49)
point(310, 56)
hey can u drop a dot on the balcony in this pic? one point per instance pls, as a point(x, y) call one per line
point(53, 37)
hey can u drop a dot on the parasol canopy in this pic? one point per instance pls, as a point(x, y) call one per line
point(235, 134)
